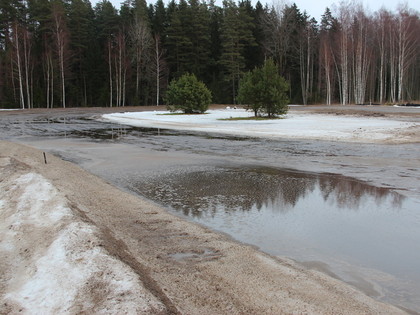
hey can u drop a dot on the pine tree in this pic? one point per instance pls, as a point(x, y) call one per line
point(292, 26)
point(178, 41)
point(106, 20)
point(199, 34)
point(253, 54)
point(264, 91)
point(188, 39)
point(188, 94)
point(214, 68)
point(80, 16)
point(236, 36)
point(159, 17)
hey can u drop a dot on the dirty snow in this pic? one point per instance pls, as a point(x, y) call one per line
point(53, 263)
point(404, 106)
point(293, 125)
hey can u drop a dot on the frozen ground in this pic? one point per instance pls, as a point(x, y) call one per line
point(295, 125)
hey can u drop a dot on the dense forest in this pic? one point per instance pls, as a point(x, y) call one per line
point(66, 53)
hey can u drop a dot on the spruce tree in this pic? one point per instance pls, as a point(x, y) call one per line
point(80, 17)
point(236, 36)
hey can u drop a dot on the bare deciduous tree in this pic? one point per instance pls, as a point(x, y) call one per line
point(306, 57)
point(48, 67)
point(407, 39)
point(22, 62)
point(343, 58)
point(61, 38)
point(141, 40)
point(118, 64)
point(159, 69)
point(362, 53)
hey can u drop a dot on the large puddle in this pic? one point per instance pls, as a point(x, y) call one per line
point(365, 235)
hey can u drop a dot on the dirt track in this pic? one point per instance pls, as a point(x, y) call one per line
point(187, 268)
point(356, 110)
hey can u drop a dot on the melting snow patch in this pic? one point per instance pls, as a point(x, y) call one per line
point(308, 126)
point(53, 263)
point(32, 203)
point(70, 268)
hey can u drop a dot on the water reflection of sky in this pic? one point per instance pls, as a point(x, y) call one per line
point(307, 217)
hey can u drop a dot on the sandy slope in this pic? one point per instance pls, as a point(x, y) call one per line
point(52, 260)
point(71, 243)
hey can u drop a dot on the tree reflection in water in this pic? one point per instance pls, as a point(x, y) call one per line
point(200, 192)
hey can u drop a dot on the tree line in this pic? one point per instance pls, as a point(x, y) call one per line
point(66, 53)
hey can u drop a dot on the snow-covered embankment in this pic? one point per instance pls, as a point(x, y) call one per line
point(51, 260)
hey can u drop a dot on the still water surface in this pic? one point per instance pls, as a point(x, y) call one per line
point(365, 235)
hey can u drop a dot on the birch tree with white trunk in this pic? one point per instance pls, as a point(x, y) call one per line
point(345, 17)
point(362, 53)
point(21, 40)
point(61, 38)
point(159, 69)
point(408, 44)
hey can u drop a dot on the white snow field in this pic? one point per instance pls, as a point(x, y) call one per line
point(292, 125)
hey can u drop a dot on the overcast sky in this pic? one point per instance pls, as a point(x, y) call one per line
point(316, 8)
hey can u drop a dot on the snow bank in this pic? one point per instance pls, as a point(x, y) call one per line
point(301, 125)
point(53, 262)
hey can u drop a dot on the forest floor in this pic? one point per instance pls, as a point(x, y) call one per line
point(71, 243)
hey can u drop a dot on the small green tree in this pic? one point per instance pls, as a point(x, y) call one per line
point(264, 90)
point(188, 94)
